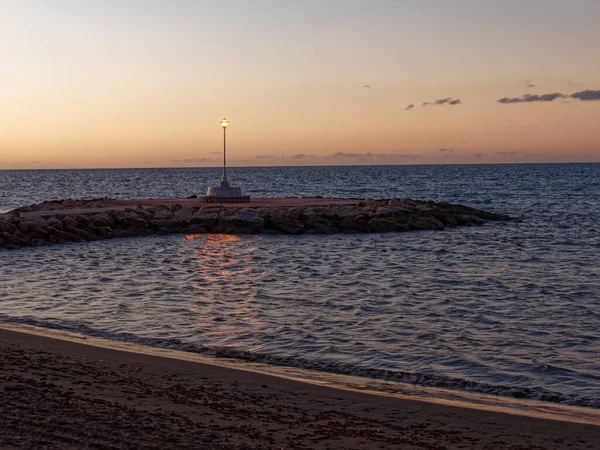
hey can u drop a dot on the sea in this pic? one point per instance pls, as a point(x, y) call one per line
point(507, 309)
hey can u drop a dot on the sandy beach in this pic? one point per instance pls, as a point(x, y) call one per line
point(60, 394)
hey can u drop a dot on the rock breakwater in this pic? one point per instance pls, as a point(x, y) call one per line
point(79, 220)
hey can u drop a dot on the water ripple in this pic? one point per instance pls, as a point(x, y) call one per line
point(508, 308)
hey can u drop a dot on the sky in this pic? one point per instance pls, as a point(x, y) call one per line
point(122, 83)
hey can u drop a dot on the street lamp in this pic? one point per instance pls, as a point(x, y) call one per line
point(225, 193)
point(224, 181)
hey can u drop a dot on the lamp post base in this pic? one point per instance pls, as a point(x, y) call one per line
point(212, 199)
point(225, 194)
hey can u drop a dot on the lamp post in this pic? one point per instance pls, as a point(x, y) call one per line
point(225, 193)
point(224, 181)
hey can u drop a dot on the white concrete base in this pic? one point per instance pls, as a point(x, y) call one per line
point(224, 191)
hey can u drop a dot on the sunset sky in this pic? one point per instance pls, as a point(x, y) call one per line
point(119, 83)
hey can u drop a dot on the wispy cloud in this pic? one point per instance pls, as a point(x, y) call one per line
point(587, 95)
point(478, 154)
point(216, 153)
point(409, 107)
point(584, 96)
point(367, 85)
point(530, 98)
point(265, 156)
point(299, 156)
point(191, 160)
point(506, 153)
point(529, 83)
point(533, 155)
point(369, 155)
point(446, 150)
point(444, 101)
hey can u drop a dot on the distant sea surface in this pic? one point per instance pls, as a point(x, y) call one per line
point(509, 308)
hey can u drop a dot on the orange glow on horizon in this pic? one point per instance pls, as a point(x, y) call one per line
point(397, 84)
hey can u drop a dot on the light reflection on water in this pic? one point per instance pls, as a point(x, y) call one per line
point(222, 270)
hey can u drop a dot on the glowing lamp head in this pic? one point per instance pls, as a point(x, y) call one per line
point(224, 123)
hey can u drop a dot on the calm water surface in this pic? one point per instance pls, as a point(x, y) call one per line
point(507, 308)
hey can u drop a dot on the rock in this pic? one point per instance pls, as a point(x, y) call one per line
point(315, 223)
point(103, 220)
point(207, 217)
point(7, 227)
point(371, 215)
point(135, 219)
point(62, 236)
point(71, 223)
point(245, 220)
point(184, 213)
point(32, 225)
point(192, 196)
point(166, 226)
point(139, 211)
point(6, 238)
point(196, 228)
point(385, 211)
point(400, 202)
point(386, 224)
point(285, 220)
point(161, 212)
point(424, 222)
point(54, 223)
point(100, 232)
point(357, 221)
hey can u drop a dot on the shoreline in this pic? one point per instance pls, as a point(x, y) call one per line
point(393, 389)
point(89, 372)
point(66, 394)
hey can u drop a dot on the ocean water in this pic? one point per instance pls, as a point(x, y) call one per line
point(509, 308)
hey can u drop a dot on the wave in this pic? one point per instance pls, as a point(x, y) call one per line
point(333, 367)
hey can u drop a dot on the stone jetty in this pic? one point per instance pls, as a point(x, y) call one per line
point(66, 221)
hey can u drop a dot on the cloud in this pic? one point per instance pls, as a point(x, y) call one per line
point(478, 155)
point(367, 85)
point(216, 153)
point(446, 150)
point(409, 107)
point(370, 155)
point(506, 153)
point(572, 83)
point(533, 154)
point(448, 101)
point(530, 98)
point(265, 156)
point(587, 95)
point(529, 83)
point(299, 156)
point(191, 160)
point(356, 155)
point(444, 101)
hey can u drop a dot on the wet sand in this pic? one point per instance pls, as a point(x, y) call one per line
point(60, 394)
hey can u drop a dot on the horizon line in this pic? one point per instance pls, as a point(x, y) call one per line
point(311, 165)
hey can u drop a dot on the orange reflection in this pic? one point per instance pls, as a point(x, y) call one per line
point(225, 285)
